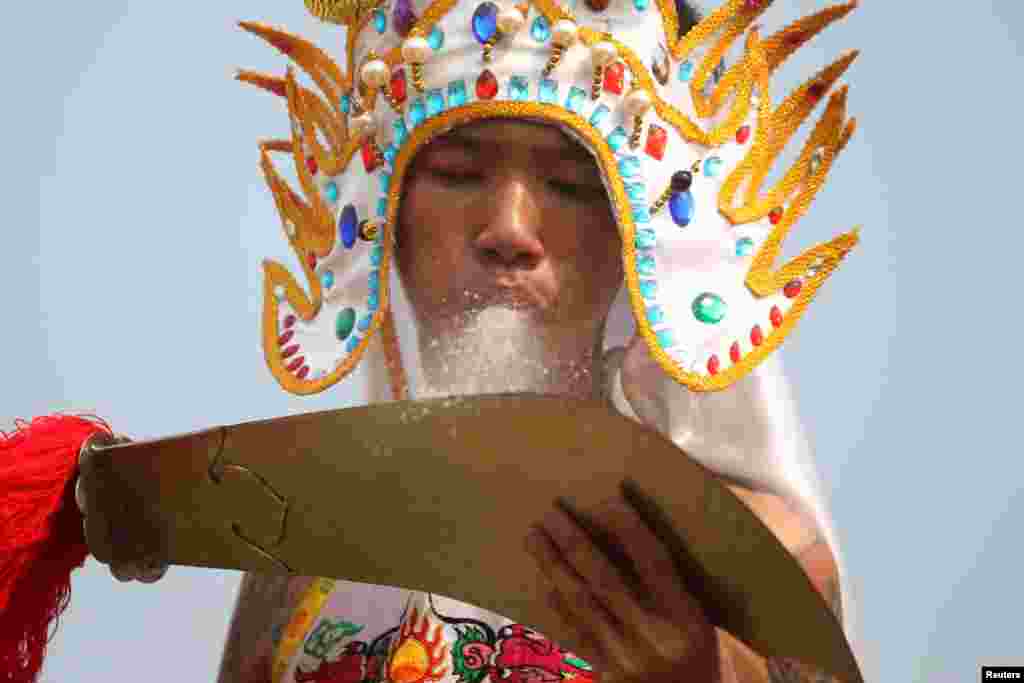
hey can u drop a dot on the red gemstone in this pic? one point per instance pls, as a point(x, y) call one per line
point(295, 364)
point(816, 91)
point(285, 338)
point(370, 158)
point(486, 85)
point(290, 351)
point(734, 352)
point(303, 372)
point(713, 365)
point(742, 135)
point(795, 38)
point(752, 5)
point(311, 165)
point(657, 138)
point(614, 77)
point(398, 85)
point(312, 261)
point(289, 321)
point(776, 316)
point(756, 335)
point(792, 288)
point(776, 215)
point(597, 5)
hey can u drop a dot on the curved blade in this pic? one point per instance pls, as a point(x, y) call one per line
point(438, 495)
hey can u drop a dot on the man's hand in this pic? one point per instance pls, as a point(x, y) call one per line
point(634, 625)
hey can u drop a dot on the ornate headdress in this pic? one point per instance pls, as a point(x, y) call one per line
point(684, 150)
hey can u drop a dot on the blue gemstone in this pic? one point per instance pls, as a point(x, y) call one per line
point(642, 5)
point(641, 214)
point(348, 226)
point(375, 255)
point(485, 21)
point(385, 182)
point(617, 138)
point(540, 29)
point(655, 315)
point(401, 132)
point(629, 166)
point(712, 166)
point(518, 88)
point(382, 207)
point(436, 38)
point(645, 265)
point(435, 102)
point(457, 93)
point(686, 71)
point(681, 206)
point(417, 112)
point(331, 190)
point(380, 21)
point(372, 302)
point(327, 278)
point(364, 323)
point(576, 99)
point(390, 153)
point(645, 239)
point(548, 91)
point(666, 338)
point(351, 344)
point(374, 282)
point(744, 246)
point(636, 192)
point(648, 288)
point(345, 102)
point(599, 115)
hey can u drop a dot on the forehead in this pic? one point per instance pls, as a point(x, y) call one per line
point(514, 135)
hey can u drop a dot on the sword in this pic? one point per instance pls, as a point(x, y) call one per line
point(438, 496)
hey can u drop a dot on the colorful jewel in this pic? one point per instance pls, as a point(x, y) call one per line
point(659, 62)
point(742, 135)
point(486, 85)
point(436, 38)
point(681, 206)
point(344, 323)
point(645, 265)
point(655, 315)
point(457, 93)
point(540, 29)
point(686, 71)
point(577, 97)
point(666, 338)
point(401, 132)
point(617, 138)
point(385, 182)
point(775, 215)
point(602, 54)
point(776, 316)
point(347, 226)
point(380, 21)
point(734, 352)
point(597, 5)
point(435, 102)
point(641, 5)
point(645, 239)
point(382, 207)
point(599, 115)
point(547, 91)
point(635, 191)
point(657, 138)
point(397, 86)
point(713, 365)
point(364, 323)
point(346, 103)
point(518, 88)
point(485, 22)
point(296, 364)
point(709, 308)
point(403, 17)
point(744, 246)
point(311, 165)
point(629, 167)
point(371, 156)
point(327, 279)
point(289, 320)
point(756, 335)
point(331, 191)
point(417, 112)
point(712, 166)
point(792, 289)
point(648, 288)
point(290, 351)
point(352, 344)
point(279, 293)
point(614, 77)
point(285, 338)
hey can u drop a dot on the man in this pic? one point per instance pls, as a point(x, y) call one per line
point(509, 255)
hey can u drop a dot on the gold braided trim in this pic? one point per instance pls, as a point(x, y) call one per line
point(393, 357)
point(304, 616)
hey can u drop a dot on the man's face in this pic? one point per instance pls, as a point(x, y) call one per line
point(508, 213)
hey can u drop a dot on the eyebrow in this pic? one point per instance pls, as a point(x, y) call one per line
point(566, 152)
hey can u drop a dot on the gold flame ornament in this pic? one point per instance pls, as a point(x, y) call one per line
point(341, 12)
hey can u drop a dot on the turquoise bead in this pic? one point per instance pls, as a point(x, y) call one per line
point(364, 323)
point(373, 282)
point(655, 315)
point(348, 226)
point(576, 99)
point(417, 112)
point(648, 288)
point(547, 91)
point(457, 93)
point(345, 103)
point(327, 279)
point(629, 166)
point(641, 5)
point(380, 21)
point(375, 255)
point(382, 207)
point(385, 182)
point(645, 239)
point(372, 302)
point(666, 338)
point(709, 308)
point(344, 323)
point(686, 71)
point(436, 38)
point(712, 166)
point(636, 192)
point(401, 132)
point(331, 191)
point(540, 30)
point(599, 115)
point(617, 138)
point(744, 246)
point(645, 265)
point(485, 21)
point(518, 88)
point(351, 344)
point(435, 102)
point(641, 214)
point(391, 152)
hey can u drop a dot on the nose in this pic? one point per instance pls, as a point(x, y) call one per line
point(510, 237)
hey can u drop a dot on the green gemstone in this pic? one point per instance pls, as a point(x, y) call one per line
point(344, 324)
point(709, 308)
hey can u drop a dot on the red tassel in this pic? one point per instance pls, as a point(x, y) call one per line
point(41, 538)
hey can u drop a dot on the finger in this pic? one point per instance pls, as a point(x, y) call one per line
point(97, 537)
point(122, 573)
point(602, 577)
point(80, 497)
point(587, 645)
point(153, 575)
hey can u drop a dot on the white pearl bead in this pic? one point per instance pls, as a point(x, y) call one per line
point(375, 73)
point(637, 102)
point(510, 20)
point(604, 52)
point(415, 50)
point(362, 124)
point(564, 33)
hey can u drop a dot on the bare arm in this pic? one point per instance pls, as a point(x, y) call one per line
point(263, 607)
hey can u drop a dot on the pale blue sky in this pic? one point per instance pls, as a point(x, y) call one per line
point(135, 219)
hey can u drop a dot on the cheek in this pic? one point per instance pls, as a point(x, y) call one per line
point(429, 249)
